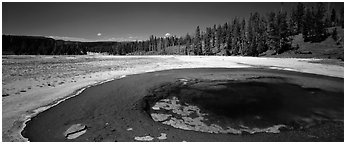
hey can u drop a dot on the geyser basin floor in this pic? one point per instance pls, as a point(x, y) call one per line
point(118, 110)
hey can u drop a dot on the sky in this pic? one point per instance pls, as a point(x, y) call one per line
point(116, 21)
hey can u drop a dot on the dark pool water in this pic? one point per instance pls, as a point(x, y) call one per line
point(254, 104)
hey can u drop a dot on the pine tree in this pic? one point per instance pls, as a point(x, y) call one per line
point(188, 44)
point(252, 44)
point(293, 24)
point(218, 37)
point(308, 25)
point(151, 43)
point(243, 40)
point(197, 42)
point(273, 32)
point(229, 40)
point(256, 35)
point(314, 26)
point(320, 27)
point(285, 41)
point(262, 36)
point(300, 16)
point(333, 17)
point(207, 41)
point(213, 37)
point(224, 33)
point(223, 39)
point(155, 44)
point(235, 37)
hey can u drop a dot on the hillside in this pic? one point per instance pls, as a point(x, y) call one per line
point(327, 49)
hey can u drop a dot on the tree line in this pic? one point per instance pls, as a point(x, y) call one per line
point(37, 45)
point(250, 37)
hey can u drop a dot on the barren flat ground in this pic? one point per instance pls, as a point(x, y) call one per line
point(30, 83)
